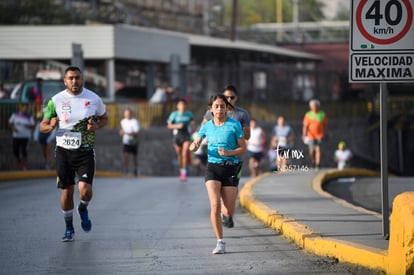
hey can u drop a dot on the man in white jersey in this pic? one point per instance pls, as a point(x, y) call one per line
point(77, 113)
point(129, 131)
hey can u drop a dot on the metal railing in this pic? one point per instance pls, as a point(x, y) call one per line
point(155, 115)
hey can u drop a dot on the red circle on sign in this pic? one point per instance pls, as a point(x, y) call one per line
point(389, 40)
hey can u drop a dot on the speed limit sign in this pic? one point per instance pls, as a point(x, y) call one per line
point(382, 25)
point(382, 41)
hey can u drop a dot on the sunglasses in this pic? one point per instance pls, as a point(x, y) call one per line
point(231, 97)
point(73, 77)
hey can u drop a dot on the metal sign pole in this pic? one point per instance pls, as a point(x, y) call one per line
point(384, 160)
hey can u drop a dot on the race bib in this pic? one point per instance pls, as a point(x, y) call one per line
point(68, 140)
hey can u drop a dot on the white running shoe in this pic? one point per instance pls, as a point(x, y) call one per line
point(220, 248)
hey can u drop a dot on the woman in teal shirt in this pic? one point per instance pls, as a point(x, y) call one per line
point(181, 121)
point(225, 142)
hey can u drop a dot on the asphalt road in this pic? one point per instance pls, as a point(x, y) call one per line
point(141, 226)
point(367, 191)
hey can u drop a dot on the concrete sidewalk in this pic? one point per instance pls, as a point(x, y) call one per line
point(295, 205)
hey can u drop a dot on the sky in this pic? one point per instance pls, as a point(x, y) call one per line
point(332, 6)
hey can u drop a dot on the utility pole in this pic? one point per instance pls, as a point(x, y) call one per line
point(279, 19)
point(206, 18)
point(296, 20)
point(234, 21)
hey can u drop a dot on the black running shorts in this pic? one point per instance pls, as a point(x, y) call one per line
point(130, 149)
point(181, 137)
point(71, 163)
point(226, 174)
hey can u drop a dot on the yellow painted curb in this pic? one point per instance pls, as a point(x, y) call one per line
point(304, 237)
point(109, 174)
point(17, 175)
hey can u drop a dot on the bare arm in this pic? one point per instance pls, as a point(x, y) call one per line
point(47, 125)
point(175, 126)
point(246, 131)
point(241, 142)
point(304, 131)
point(11, 125)
point(195, 144)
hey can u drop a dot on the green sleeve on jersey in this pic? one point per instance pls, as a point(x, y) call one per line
point(319, 116)
point(50, 110)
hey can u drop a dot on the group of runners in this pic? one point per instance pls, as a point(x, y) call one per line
point(76, 114)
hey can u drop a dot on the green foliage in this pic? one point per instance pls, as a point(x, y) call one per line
point(46, 12)
point(310, 11)
point(342, 15)
point(253, 12)
point(30, 12)
point(264, 11)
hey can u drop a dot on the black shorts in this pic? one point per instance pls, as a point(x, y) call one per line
point(181, 137)
point(226, 174)
point(43, 138)
point(256, 155)
point(20, 145)
point(71, 163)
point(130, 149)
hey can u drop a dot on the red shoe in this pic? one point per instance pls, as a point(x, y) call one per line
point(183, 177)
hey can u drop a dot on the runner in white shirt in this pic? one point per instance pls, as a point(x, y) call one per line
point(21, 123)
point(77, 113)
point(282, 142)
point(255, 146)
point(342, 156)
point(129, 132)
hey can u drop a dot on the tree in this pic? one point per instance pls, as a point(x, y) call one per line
point(264, 11)
point(39, 12)
point(310, 11)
